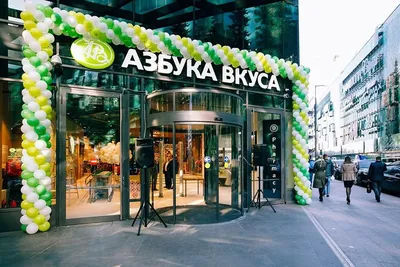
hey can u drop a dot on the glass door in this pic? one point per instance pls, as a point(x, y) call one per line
point(91, 154)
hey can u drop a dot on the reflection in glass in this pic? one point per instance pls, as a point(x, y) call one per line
point(92, 156)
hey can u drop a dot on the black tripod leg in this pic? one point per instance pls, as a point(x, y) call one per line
point(140, 224)
point(157, 214)
point(251, 203)
point(269, 203)
point(137, 214)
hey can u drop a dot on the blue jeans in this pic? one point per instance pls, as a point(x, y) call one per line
point(377, 187)
point(328, 186)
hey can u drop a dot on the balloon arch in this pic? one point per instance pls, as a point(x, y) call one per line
point(41, 23)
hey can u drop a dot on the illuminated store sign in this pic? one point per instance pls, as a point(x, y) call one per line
point(166, 64)
point(92, 54)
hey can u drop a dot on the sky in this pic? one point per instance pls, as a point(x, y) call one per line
point(333, 31)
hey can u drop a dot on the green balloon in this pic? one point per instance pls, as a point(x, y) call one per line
point(46, 196)
point(48, 11)
point(297, 197)
point(57, 19)
point(48, 144)
point(40, 129)
point(33, 182)
point(65, 28)
point(40, 189)
point(23, 227)
point(32, 121)
point(25, 106)
point(47, 79)
point(45, 137)
point(40, 7)
point(72, 32)
point(35, 61)
point(117, 30)
point(28, 53)
point(167, 42)
point(110, 23)
point(49, 203)
point(302, 201)
point(26, 114)
point(42, 70)
point(26, 175)
point(161, 35)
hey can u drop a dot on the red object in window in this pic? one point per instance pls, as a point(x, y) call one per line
point(3, 204)
point(13, 167)
point(93, 162)
point(117, 170)
point(13, 204)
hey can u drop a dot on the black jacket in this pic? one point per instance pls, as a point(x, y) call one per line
point(170, 170)
point(376, 170)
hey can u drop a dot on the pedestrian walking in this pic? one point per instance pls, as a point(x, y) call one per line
point(320, 176)
point(349, 171)
point(375, 174)
point(311, 170)
point(330, 170)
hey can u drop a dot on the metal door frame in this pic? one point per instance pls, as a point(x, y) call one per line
point(61, 98)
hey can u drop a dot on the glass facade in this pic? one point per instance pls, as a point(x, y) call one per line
point(95, 132)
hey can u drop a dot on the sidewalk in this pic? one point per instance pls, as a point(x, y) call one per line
point(366, 231)
point(261, 238)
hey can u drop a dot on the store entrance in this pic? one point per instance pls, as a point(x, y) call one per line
point(206, 184)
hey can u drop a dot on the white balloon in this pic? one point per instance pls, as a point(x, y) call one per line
point(32, 197)
point(49, 23)
point(130, 32)
point(80, 29)
point(48, 65)
point(123, 25)
point(103, 27)
point(46, 152)
point(23, 212)
point(72, 21)
point(45, 181)
point(48, 187)
point(42, 27)
point(32, 228)
point(40, 115)
point(40, 204)
point(46, 123)
point(309, 201)
point(136, 40)
point(49, 37)
point(26, 189)
point(47, 217)
point(110, 34)
point(25, 220)
point(24, 182)
point(31, 136)
point(40, 144)
point(33, 106)
point(27, 68)
point(34, 76)
point(39, 16)
point(47, 94)
point(45, 211)
point(25, 61)
point(64, 14)
point(42, 85)
point(57, 31)
point(29, 6)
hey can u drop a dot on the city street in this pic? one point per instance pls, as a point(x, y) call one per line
point(331, 233)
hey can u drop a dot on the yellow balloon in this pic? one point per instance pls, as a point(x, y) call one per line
point(44, 42)
point(32, 151)
point(23, 196)
point(45, 167)
point(28, 24)
point(49, 51)
point(27, 16)
point(73, 13)
point(137, 29)
point(25, 77)
point(88, 25)
point(35, 33)
point(80, 18)
point(27, 144)
point(47, 109)
point(44, 227)
point(23, 137)
point(41, 100)
point(28, 83)
point(35, 92)
point(40, 159)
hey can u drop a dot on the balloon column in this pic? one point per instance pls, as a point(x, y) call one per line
point(41, 23)
point(36, 113)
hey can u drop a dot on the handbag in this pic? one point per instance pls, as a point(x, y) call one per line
point(369, 187)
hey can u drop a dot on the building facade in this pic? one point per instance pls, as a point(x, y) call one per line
point(207, 127)
point(364, 99)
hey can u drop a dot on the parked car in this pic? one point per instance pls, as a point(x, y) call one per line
point(391, 185)
point(337, 164)
point(362, 171)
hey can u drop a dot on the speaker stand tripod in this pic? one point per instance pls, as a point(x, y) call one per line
point(142, 213)
point(257, 196)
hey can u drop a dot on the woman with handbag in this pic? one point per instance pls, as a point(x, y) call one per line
point(320, 176)
point(349, 171)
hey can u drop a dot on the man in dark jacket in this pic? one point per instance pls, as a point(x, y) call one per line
point(330, 169)
point(375, 174)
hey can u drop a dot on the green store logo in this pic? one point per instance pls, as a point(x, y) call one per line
point(92, 54)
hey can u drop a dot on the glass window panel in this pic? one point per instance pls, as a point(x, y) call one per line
point(267, 101)
point(161, 103)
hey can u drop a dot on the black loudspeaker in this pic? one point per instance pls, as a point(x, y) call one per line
point(260, 155)
point(144, 152)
